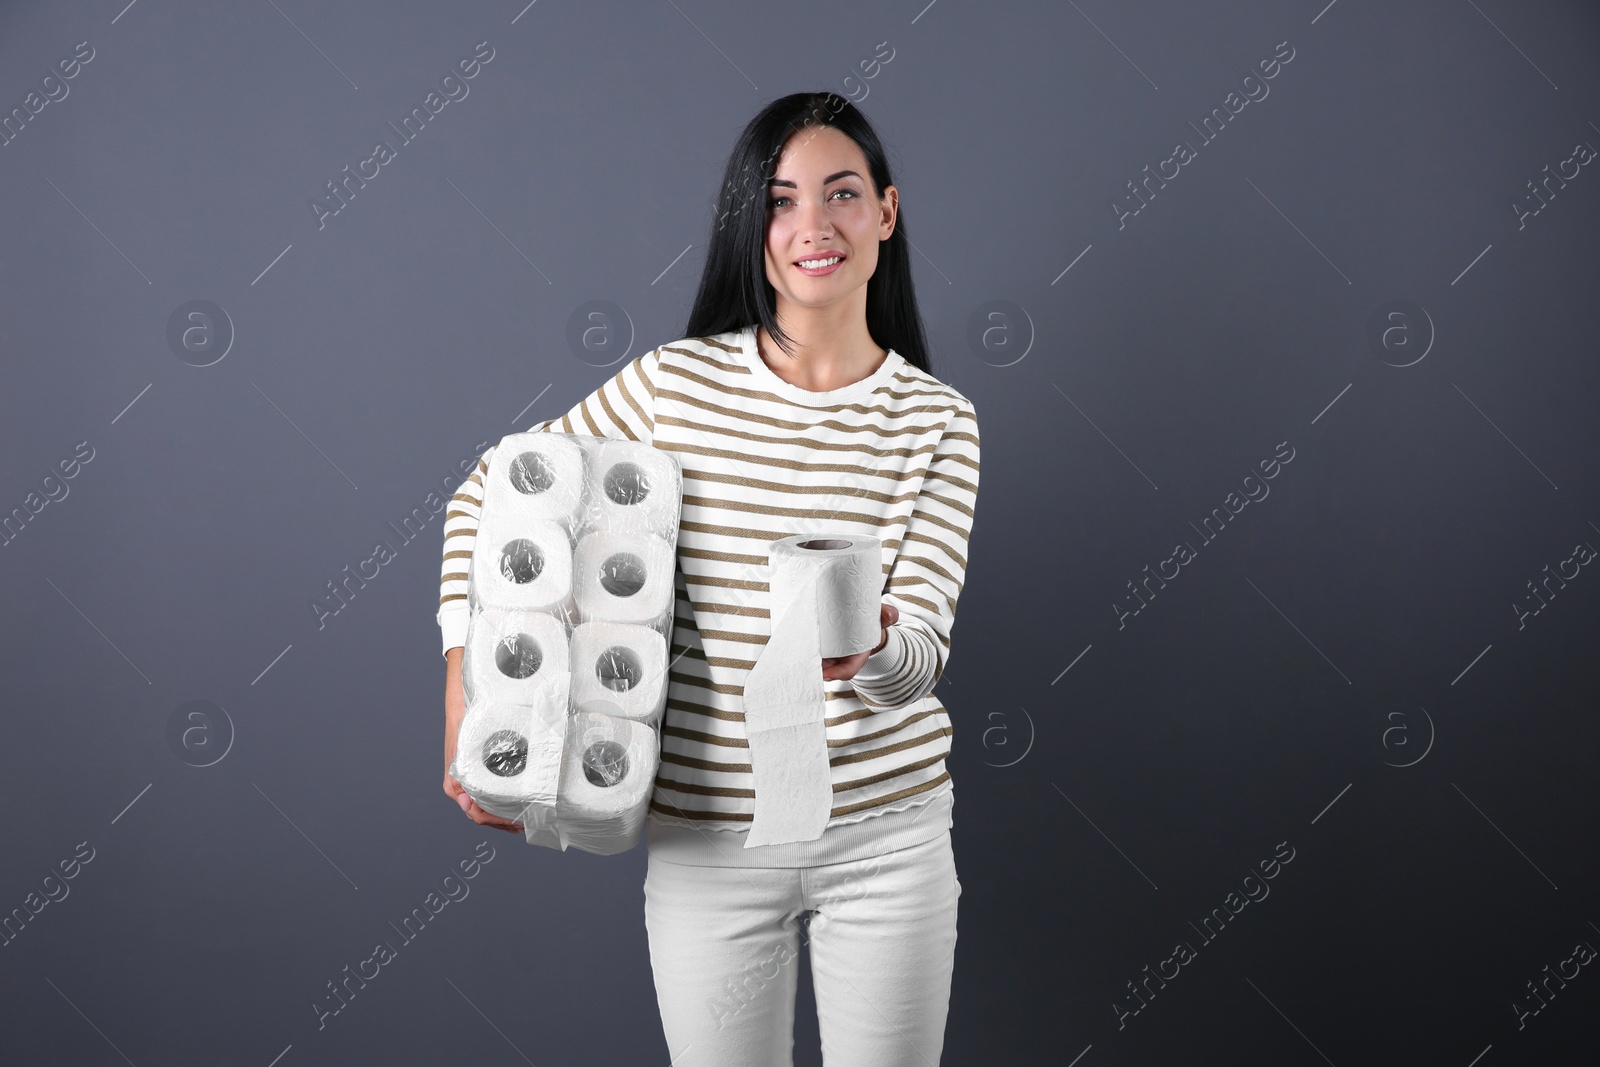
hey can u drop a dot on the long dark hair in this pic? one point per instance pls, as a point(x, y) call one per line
point(734, 291)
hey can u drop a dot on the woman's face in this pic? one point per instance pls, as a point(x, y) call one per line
point(821, 207)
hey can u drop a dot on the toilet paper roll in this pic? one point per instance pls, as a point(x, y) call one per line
point(539, 476)
point(620, 669)
point(633, 487)
point(508, 756)
point(519, 562)
point(510, 652)
point(622, 577)
point(824, 596)
point(607, 775)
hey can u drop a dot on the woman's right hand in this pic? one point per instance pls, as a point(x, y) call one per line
point(455, 709)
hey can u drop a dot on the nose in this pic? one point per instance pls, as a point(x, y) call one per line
point(814, 221)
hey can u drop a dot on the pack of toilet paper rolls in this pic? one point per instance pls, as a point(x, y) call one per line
point(570, 591)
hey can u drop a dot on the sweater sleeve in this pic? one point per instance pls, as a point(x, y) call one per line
point(623, 408)
point(927, 573)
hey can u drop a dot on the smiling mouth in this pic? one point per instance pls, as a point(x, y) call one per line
point(819, 264)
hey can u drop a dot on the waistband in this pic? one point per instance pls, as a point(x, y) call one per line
point(925, 819)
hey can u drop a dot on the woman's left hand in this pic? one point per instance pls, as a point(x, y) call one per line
point(835, 667)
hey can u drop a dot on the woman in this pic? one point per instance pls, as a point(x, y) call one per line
point(798, 401)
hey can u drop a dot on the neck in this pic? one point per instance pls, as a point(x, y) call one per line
point(829, 350)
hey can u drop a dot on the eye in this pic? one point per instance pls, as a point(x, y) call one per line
point(849, 192)
point(774, 201)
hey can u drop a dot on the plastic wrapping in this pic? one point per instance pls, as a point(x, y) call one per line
point(570, 594)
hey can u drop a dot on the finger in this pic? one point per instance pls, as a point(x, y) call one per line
point(483, 818)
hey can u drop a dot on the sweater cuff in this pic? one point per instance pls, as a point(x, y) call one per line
point(453, 624)
point(887, 660)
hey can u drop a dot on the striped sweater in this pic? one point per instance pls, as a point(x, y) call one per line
point(893, 456)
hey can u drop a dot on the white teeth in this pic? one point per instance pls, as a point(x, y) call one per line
point(816, 264)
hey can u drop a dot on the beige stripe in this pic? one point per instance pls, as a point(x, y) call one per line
point(717, 582)
point(726, 365)
point(865, 519)
point(704, 790)
point(862, 783)
point(722, 557)
point(704, 738)
point(627, 395)
point(720, 389)
point(588, 417)
point(707, 607)
point(954, 505)
point(819, 446)
point(927, 539)
point(950, 479)
point(921, 603)
point(927, 563)
point(678, 704)
point(650, 358)
point(709, 342)
point(739, 415)
point(704, 683)
point(744, 457)
point(800, 490)
point(616, 421)
point(703, 765)
point(766, 537)
point(682, 813)
point(849, 716)
point(890, 798)
point(845, 742)
point(887, 750)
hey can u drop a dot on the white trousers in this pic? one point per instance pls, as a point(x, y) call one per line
point(725, 943)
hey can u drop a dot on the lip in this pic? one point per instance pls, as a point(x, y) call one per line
point(825, 270)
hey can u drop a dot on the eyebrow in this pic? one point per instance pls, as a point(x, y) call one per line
point(825, 181)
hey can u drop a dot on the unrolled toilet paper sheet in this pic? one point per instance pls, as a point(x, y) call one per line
point(824, 602)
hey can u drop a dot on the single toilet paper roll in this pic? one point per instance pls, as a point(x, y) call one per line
point(508, 756)
point(634, 487)
point(519, 562)
point(538, 476)
point(622, 577)
point(509, 654)
point(619, 668)
point(607, 775)
point(824, 597)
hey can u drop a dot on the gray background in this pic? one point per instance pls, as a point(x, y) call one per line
point(1341, 670)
